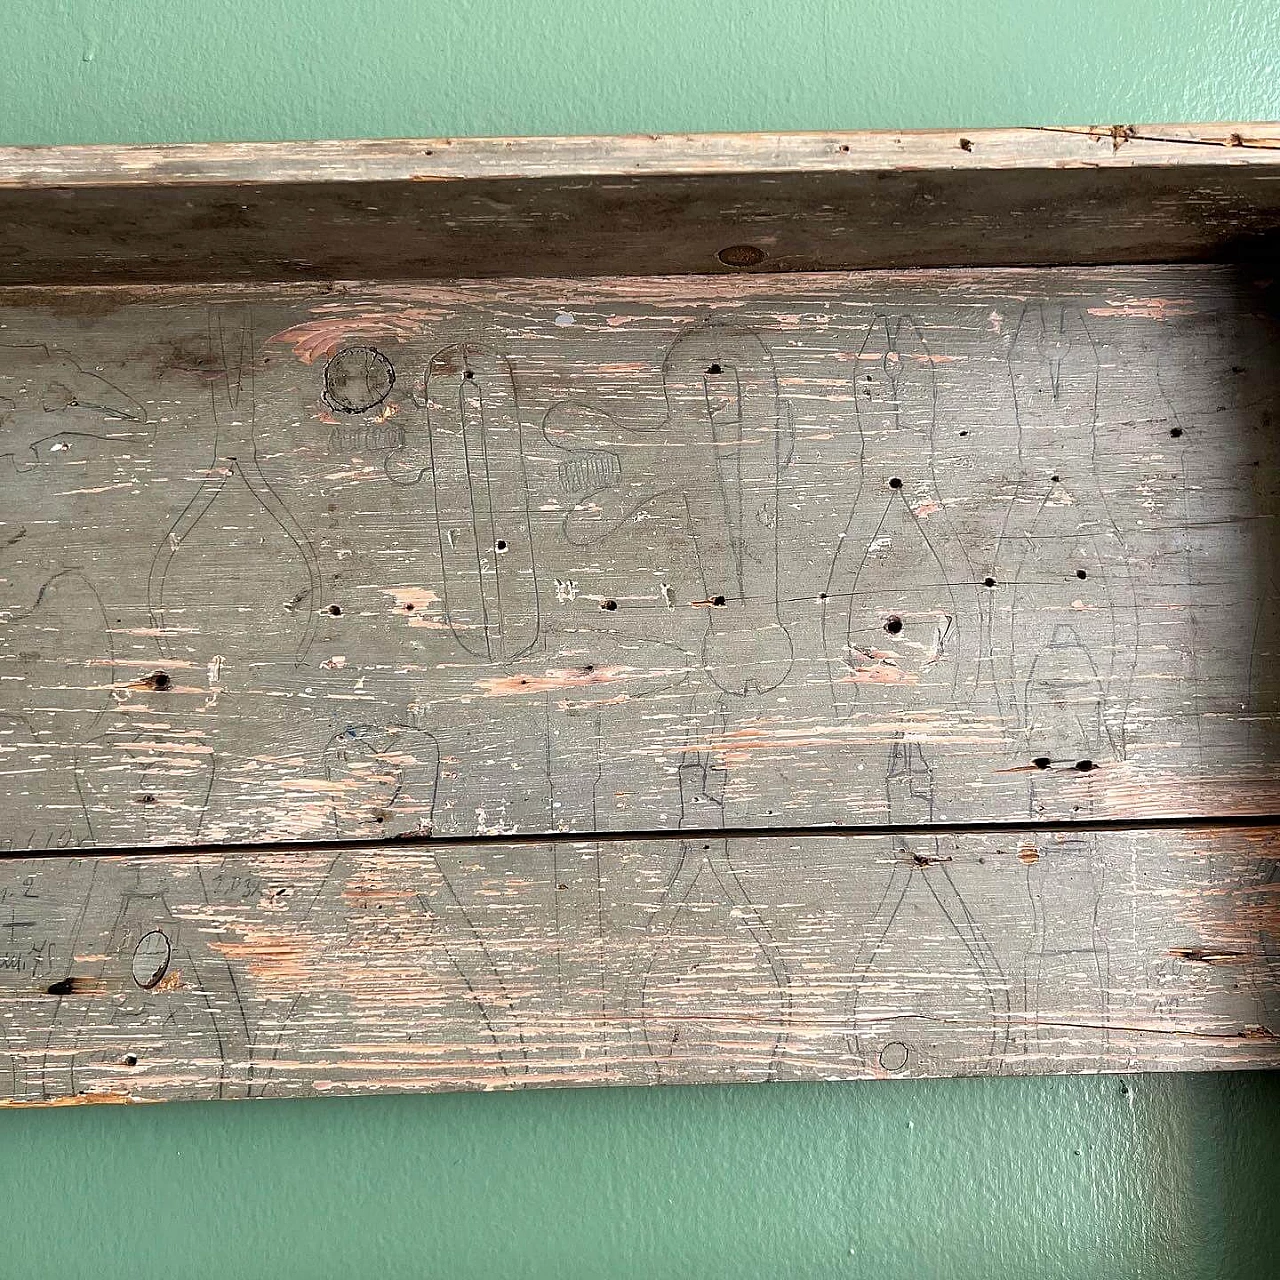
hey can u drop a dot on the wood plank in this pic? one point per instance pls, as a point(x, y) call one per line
point(462, 159)
point(501, 558)
point(450, 208)
point(700, 958)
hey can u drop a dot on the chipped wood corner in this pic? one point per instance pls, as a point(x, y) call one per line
point(697, 609)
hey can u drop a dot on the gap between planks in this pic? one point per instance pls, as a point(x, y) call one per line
point(409, 843)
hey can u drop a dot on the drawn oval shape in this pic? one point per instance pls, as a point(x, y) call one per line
point(721, 391)
point(894, 1056)
point(151, 959)
point(358, 379)
point(482, 498)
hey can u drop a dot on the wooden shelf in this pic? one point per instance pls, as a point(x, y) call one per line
point(507, 612)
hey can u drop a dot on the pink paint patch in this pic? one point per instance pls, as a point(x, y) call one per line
point(885, 674)
point(1146, 308)
point(550, 681)
point(319, 339)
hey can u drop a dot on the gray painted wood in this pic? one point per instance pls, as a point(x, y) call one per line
point(454, 208)
point(578, 529)
point(452, 965)
point(626, 580)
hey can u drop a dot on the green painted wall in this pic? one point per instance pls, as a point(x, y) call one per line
point(1148, 1177)
point(179, 70)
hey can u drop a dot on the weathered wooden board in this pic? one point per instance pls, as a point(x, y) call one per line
point(456, 965)
point(502, 558)
point(458, 208)
point(527, 664)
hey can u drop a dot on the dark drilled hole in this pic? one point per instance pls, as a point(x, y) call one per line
point(741, 255)
point(1175, 432)
point(895, 483)
point(988, 582)
point(715, 368)
point(1081, 574)
point(718, 601)
point(1042, 762)
point(1084, 766)
point(609, 604)
point(893, 624)
point(336, 610)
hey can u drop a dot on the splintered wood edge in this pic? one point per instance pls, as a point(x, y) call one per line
point(450, 159)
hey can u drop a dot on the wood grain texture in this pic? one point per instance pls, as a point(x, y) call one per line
point(461, 208)
point(453, 965)
point(625, 585)
point(465, 159)
point(483, 558)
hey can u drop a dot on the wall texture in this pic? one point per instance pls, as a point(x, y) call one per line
point(184, 70)
point(1139, 1177)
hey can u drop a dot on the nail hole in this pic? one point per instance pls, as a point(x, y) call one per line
point(895, 483)
point(609, 604)
point(157, 680)
point(741, 255)
point(147, 799)
point(1081, 574)
point(336, 610)
point(844, 146)
point(988, 582)
point(964, 433)
point(966, 144)
point(893, 624)
point(715, 368)
point(1084, 766)
point(1056, 479)
point(718, 601)
point(1042, 762)
point(500, 546)
point(822, 595)
point(409, 607)
point(468, 375)
point(1175, 432)
point(130, 1059)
